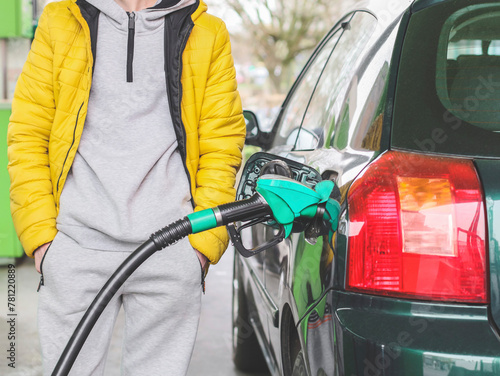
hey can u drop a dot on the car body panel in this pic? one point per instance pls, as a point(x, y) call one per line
point(489, 173)
point(258, 305)
point(372, 335)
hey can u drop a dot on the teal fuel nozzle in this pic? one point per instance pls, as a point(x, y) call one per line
point(289, 203)
point(290, 200)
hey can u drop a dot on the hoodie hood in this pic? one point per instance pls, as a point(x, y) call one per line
point(202, 7)
point(146, 19)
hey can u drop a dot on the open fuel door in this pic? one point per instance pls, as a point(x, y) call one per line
point(260, 164)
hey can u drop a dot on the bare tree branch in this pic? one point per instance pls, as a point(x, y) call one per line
point(280, 30)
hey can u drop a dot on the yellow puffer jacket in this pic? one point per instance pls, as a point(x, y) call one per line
point(50, 107)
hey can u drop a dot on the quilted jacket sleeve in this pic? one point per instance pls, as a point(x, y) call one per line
point(221, 138)
point(31, 198)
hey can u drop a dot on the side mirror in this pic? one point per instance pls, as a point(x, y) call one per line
point(255, 136)
point(252, 124)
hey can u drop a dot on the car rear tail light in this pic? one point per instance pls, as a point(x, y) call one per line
point(417, 229)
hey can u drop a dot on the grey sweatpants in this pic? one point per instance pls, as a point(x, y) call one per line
point(161, 301)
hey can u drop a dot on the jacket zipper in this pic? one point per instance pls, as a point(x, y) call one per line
point(179, 108)
point(179, 104)
point(41, 268)
point(130, 46)
point(70, 147)
point(180, 131)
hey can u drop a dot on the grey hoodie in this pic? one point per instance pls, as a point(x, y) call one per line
point(127, 179)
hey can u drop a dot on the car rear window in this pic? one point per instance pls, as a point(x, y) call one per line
point(448, 88)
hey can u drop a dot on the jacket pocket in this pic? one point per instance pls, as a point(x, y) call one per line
point(41, 266)
point(202, 271)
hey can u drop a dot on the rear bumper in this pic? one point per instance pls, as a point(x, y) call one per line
point(375, 336)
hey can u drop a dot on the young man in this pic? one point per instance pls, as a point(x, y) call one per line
point(126, 117)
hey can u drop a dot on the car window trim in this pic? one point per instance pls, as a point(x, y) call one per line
point(336, 28)
point(344, 27)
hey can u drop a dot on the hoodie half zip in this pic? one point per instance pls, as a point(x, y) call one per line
point(130, 46)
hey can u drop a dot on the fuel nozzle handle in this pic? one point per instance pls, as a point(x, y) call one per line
point(244, 210)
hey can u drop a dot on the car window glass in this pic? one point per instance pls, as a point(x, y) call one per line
point(468, 66)
point(472, 47)
point(360, 123)
point(297, 105)
point(324, 110)
point(366, 103)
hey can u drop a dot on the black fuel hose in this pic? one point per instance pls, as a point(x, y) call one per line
point(159, 240)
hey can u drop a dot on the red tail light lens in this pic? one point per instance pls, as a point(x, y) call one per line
point(417, 229)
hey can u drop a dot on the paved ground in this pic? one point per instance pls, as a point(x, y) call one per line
point(212, 354)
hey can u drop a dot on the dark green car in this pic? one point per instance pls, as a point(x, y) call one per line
point(400, 106)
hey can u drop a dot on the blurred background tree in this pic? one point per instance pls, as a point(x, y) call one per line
point(277, 32)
